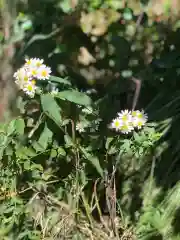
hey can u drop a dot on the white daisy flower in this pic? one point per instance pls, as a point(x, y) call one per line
point(80, 127)
point(34, 62)
point(139, 114)
point(22, 77)
point(127, 121)
point(30, 88)
point(116, 124)
point(138, 122)
point(33, 71)
point(125, 116)
point(44, 72)
point(126, 127)
point(39, 62)
point(139, 118)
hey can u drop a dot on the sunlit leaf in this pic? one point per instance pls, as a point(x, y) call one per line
point(75, 97)
point(11, 127)
point(93, 160)
point(20, 125)
point(59, 80)
point(51, 108)
point(46, 137)
point(61, 151)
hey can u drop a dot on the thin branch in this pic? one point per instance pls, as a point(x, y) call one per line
point(137, 92)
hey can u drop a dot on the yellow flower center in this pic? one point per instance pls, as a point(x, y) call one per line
point(125, 118)
point(134, 114)
point(140, 115)
point(38, 64)
point(33, 82)
point(117, 124)
point(125, 127)
point(139, 124)
point(34, 72)
point(25, 78)
point(29, 87)
point(44, 73)
point(28, 62)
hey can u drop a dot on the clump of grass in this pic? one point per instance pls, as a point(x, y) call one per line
point(58, 220)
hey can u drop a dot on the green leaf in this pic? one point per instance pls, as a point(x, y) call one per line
point(25, 152)
point(59, 80)
point(46, 137)
point(53, 153)
point(35, 166)
point(27, 25)
point(126, 144)
point(66, 122)
point(11, 127)
point(61, 152)
point(93, 160)
point(137, 138)
point(27, 165)
point(3, 139)
point(108, 141)
point(75, 97)
point(37, 147)
point(20, 126)
point(68, 141)
point(112, 150)
point(9, 150)
point(127, 15)
point(1, 152)
point(51, 108)
point(65, 5)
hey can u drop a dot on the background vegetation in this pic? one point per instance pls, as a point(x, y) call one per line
point(64, 173)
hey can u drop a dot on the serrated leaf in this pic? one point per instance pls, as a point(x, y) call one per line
point(75, 97)
point(46, 137)
point(59, 80)
point(51, 108)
